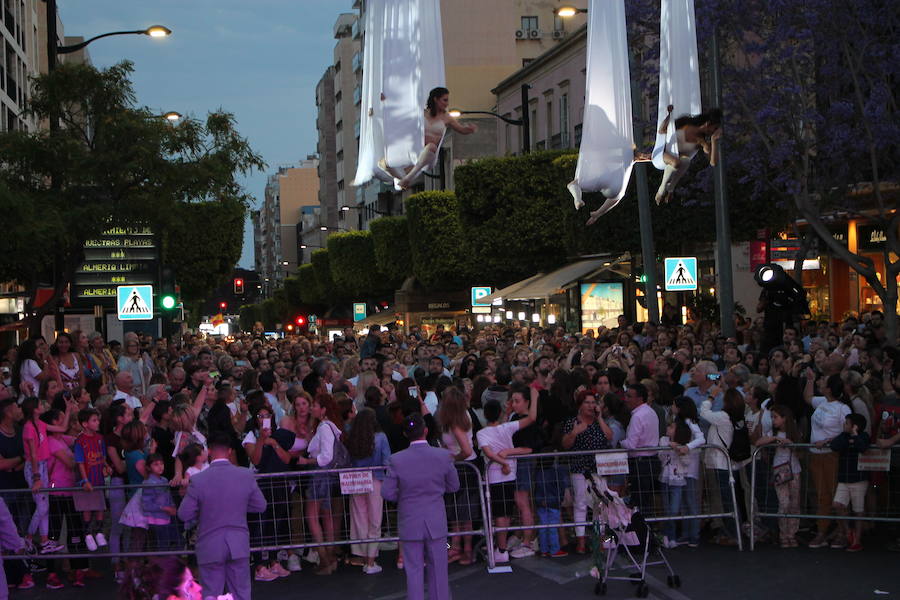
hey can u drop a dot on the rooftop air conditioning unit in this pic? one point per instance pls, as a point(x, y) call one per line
point(521, 34)
point(534, 34)
point(559, 34)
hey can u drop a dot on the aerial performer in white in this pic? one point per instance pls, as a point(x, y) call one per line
point(692, 132)
point(437, 120)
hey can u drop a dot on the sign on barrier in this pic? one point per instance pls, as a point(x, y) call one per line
point(356, 482)
point(875, 460)
point(615, 463)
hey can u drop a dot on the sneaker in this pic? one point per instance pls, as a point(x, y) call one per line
point(501, 557)
point(819, 542)
point(855, 547)
point(282, 555)
point(373, 570)
point(558, 554)
point(312, 557)
point(293, 563)
point(264, 574)
point(535, 545)
point(279, 571)
point(667, 543)
point(513, 542)
point(523, 551)
point(36, 566)
point(79, 578)
point(27, 582)
point(838, 543)
point(90, 543)
point(53, 582)
point(51, 546)
point(100, 539)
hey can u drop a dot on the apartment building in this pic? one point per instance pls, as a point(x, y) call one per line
point(289, 193)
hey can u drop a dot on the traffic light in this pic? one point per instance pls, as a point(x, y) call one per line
point(300, 321)
point(168, 296)
point(223, 305)
point(238, 286)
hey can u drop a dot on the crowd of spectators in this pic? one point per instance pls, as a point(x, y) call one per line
point(80, 414)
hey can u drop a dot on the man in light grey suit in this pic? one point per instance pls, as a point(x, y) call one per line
point(417, 479)
point(219, 498)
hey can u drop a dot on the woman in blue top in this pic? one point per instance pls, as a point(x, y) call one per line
point(368, 447)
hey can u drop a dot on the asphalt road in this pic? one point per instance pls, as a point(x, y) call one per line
point(707, 572)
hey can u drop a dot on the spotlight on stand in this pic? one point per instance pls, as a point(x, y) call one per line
point(782, 301)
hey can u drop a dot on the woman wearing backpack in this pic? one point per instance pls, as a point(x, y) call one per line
point(327, 452)
point(728, 431)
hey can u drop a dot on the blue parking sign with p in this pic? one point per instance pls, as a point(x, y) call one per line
point(478, 293)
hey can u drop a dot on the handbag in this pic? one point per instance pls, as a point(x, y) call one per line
point(133, 514)
point(782, 474)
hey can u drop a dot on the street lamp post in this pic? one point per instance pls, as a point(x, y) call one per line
point(54, 49)
point(524, 122)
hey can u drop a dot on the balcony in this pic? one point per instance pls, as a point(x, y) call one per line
point(355, 29)
point(357, 95)
point(357, 62)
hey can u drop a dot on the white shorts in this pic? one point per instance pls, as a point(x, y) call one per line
point(852, 494)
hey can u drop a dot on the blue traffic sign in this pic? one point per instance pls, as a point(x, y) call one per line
point(134, 302)
point(478, 293)
point(681, 274)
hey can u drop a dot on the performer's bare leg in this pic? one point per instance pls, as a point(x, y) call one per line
point(425, 159)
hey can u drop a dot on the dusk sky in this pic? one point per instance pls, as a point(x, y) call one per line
point(258, 59)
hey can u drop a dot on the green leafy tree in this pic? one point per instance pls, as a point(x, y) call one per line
point(393, 256)
point(248, 316)
point(310, 293)
point(110, 162)
point(353, 268)
point(322, 268)
point(202, 267)
point(439, 260)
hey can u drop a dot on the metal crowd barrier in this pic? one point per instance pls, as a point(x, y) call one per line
point(291, 498)
point(783, 495)
point(554, 481)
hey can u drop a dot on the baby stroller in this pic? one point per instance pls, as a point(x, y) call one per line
point(616, 526)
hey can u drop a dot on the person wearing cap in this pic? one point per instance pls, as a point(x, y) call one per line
point(417, 479)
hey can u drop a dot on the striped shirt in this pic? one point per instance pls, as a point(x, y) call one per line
point(90, 449)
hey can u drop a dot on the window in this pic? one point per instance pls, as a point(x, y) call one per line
point(549, 129)
point(564, 119)
point(533, 126)
point(559, 24)
point(526, 62)
point(530, 23)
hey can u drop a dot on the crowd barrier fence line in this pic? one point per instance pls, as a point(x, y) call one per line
point(766, 506)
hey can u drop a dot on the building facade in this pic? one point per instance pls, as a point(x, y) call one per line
point(288, 193)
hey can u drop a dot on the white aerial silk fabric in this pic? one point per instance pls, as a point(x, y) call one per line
point(403, 60)
point(606, 156)
point(679, 73)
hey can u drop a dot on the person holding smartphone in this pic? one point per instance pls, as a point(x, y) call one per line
point(704, 376)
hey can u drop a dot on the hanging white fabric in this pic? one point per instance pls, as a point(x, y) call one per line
point(606, 156)
point(403, 60)
point(679, 73)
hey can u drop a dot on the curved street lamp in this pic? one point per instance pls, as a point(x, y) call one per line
point(154, 31)
point(524, 122)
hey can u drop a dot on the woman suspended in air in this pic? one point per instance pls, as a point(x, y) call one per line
point(693, 132)
point(437, 119)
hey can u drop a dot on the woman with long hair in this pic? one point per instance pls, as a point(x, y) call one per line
point(326, 451)
point(585, 431)
point(163, 578)
point(457, 436)
point(136, 362)
point(721, 434)
point(113, 420)
point(28, 372)
point(831, 408)
point(368, 447)
point(693, 132)
point(101, 358)
point(268, 447)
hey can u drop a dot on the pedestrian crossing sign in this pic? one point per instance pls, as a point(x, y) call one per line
point(681, 274)
point(135, 302)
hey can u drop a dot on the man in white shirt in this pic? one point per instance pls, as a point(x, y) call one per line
point(124, 389)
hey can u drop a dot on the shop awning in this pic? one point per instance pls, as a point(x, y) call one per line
point(504, 293)
point(555, 282)
point(382, 318)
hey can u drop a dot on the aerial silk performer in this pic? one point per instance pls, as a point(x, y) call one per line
point(677, 140)
point(402, 65)
point(607, 152)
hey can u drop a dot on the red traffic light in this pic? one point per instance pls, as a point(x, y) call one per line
point(223, 305)
point(238, 285)
point(300, 321)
